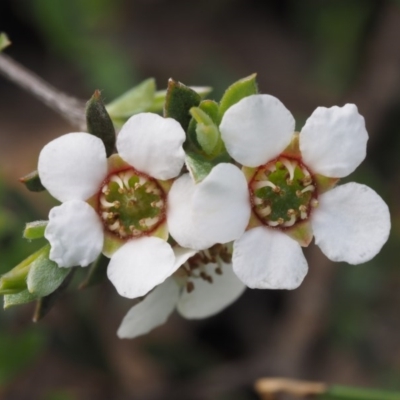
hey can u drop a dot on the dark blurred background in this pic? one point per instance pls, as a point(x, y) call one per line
point(341, 326)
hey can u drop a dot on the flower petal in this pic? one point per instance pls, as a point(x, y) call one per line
point(151, 312)
point(265, 258)
point(73, 166)
point(140, 265)
point(257, 129)
point(208, 299)
point(351, 224)
point(221, 204)
point(182, 255)
point(179, 215)
point(333, 141)
point(153, 145)
point(75, 234)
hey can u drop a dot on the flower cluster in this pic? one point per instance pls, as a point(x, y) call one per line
point(194, 241)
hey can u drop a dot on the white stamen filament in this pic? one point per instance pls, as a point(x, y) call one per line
point(303, 212)
point(290, 166)
point(157, 204)
point(291, 221)
point(263, 212)
point(114, 226)
point(126, 176)
point(309, 188)
point(105, 203)
point(117, 180)
point(261, 184)
point(258, 201)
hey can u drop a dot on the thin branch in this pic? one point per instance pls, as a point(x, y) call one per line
point(70, 108)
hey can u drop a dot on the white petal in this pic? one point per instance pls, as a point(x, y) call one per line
point(257, 129)
point(153, 145)
point(140, 265)
point(73, 166)
point(333, 141)
point(221, 204)
point(208, 299)
point(351, 224)
point(75, 233)
point(180, 218)
point(153, 311)
point(265, 258)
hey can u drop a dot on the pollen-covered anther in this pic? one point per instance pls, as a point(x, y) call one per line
point(116, 204)
point(303, 211)
point(218, 271)
point(121, 190)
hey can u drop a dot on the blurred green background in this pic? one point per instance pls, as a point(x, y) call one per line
point(341, 326)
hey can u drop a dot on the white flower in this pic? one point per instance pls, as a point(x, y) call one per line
point(117, 205)
point(207, 297)
point(287, 186)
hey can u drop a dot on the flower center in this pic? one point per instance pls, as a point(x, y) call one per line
point(131, 204)
point(283, 192)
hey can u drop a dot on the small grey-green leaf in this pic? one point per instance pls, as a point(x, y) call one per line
point(99, 122)
point(237, 91)
point(200, 167)
point(138, 99)
point(179, 100)
point(32, 182)
point(17, 299)
point(35, 230)
point(45, 276)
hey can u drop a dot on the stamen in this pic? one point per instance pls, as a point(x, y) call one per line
point(121, 190)
point(126, 176)
point(105, 190)
point(258, 201)
point(309, 188)
point(157, 204)
point(117, 180)
point(114, 226)
point(314, 203)
point(303, 211)
point(261, 184)
point(189, 286)
point(279, 221)
point(263, 212)
point(292, 219)
point(116, 204)
point(105, 203)
point(290, 166)
point(148, 222)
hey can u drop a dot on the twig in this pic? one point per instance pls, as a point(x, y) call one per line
point(68, 107)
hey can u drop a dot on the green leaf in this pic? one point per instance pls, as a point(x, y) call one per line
point(32, 182)
point(136, 100)
point(4, 41)
point(179, 100)
point(206, 131)
point(45, 276)
point(44, 304)
point(243, 88)
point(200, 166)
point(97, 272)
point(35, 230)
point(160, 95)
point(99, 122)
point(17, 299)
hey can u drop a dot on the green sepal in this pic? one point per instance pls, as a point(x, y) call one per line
point(45, 276)
point(237, 91)
point(32, 182)
point(207, 131)
point(136, 100)
point(159, 97)
point(35, 230)
point(178, 102)
point(17, 299)
point(44, 304)
point(99, 122)
point(97, 272)
point(14, 281)
point(199, 166)
point(4, 41)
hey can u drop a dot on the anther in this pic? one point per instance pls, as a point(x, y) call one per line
point(121, 190)
point(218, 271)
point(303, 211)
point(314, 203)
point(299, 193)
point(189, 286)
point(116, 204)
